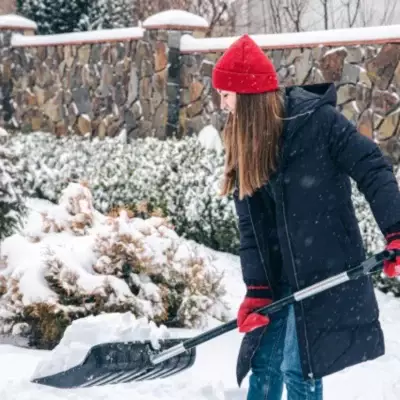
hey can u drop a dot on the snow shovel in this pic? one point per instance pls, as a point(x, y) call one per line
point(123, 362)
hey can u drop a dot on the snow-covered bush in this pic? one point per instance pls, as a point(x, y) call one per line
point(12, 204)
point(177, 179)
point(71, 261)
point(180, 178)
point(373, 239)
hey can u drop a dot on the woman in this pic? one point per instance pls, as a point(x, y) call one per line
point(289, 156)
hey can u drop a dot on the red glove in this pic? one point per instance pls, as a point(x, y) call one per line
point(392, 268)
point(247, 321)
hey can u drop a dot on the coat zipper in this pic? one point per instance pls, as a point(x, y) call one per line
point(310, 373)
point(266, 275)
point(259, 249)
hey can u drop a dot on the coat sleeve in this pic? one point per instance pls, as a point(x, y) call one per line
point(362, 159)
point(252, 263)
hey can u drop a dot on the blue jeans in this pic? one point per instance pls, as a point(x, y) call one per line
point(277, 362)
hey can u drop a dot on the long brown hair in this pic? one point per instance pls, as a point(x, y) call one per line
point(251, 141)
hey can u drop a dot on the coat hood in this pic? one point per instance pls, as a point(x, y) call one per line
point(301, 102)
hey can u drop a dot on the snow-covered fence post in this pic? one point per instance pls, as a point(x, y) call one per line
point(172, 25)
point(9, 24)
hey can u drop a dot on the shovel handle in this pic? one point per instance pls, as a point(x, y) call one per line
point(369, 266)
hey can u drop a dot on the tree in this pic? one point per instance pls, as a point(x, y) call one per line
point(270, 16)
point(357, 13)
point(61, 16)
point(295, 11)
point(12, 205)
point(219, 14)
point(277, 16)
point(54, 16)
point(383, 13)
point(109, 14)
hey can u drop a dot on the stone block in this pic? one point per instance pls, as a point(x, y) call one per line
point(331, 64)
point(160, 56)
point(382, 67)
point(350, 73)
point(355, 54)
point(84, 124)
point(195, 89)
point(365, 123)
point(389, 127)
point(346, 93)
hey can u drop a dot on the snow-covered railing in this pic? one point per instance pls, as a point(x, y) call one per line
point(333, 37)
point(170, 20)
point(104, 35)
point(181, 20)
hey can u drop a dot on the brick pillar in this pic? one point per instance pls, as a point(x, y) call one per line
point(9, 24)
point(174, 23)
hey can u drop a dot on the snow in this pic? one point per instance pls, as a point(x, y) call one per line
point(175, 18)
point(96, 36)
point(3, 132)
point(210, 138)
point(9, 21)
point(334, 50)
point(213, 375)
point(386, 34)
point(84, 333)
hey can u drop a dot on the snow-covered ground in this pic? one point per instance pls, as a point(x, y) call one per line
point(213, 375)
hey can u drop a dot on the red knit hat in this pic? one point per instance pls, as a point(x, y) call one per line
point(244, 68)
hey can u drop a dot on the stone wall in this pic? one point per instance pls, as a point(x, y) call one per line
point(367, 77)
point(156, 80)
point(94, 83)
point(92, 88)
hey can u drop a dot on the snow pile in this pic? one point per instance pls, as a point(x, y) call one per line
point(210, 139)
point(84, 333)
point(175, 18)
point(77, 262)
point(13, 21)
point(212, 377)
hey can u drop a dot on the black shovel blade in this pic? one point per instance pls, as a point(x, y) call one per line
point(120, 362)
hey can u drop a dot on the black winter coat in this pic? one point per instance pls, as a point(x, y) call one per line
point(318, 232)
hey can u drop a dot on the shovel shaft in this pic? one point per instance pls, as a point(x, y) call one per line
point(371, 265)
